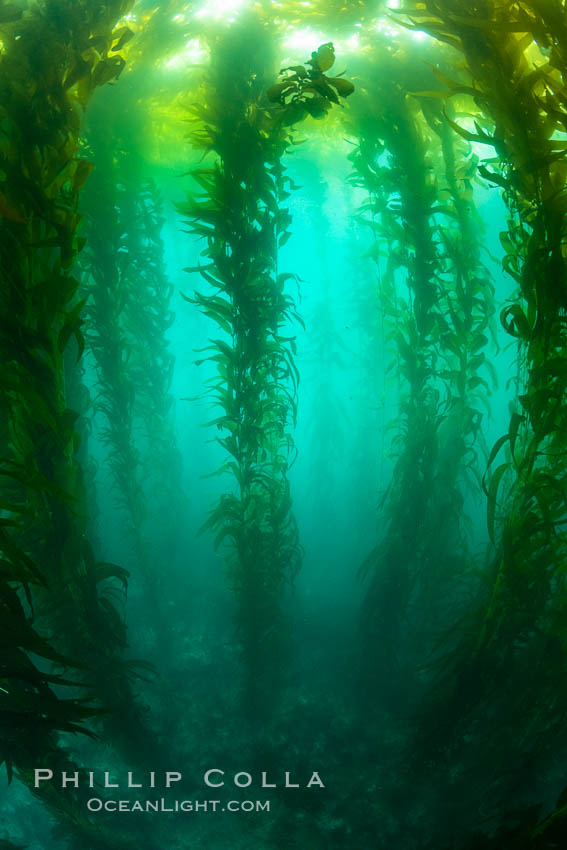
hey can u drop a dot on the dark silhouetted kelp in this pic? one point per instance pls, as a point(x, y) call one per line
point(241, 214)
point(425, 231)
point(435, 710)
point(46, 78)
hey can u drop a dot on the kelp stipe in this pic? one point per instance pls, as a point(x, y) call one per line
point(240, 217)
point(107, 264)
point(147, 320)
point(128, 315)
point(514, 93)
point(240, 213)
point(424, 288)
point(46, 78)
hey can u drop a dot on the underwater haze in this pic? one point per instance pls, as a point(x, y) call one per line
point(283, 478)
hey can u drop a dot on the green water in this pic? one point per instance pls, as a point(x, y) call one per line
point(282, 486)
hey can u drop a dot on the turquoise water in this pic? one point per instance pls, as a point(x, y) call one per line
point(299, 576)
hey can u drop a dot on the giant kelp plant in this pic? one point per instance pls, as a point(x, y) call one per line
point(435, 710)
point(436, 297)
point(48, 72)
point(127, 310)
point(513, 95)
point(241, 214)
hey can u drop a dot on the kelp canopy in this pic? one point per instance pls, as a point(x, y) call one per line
point(284, 400)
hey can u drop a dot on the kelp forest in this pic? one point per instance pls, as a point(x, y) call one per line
point(283, 395)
